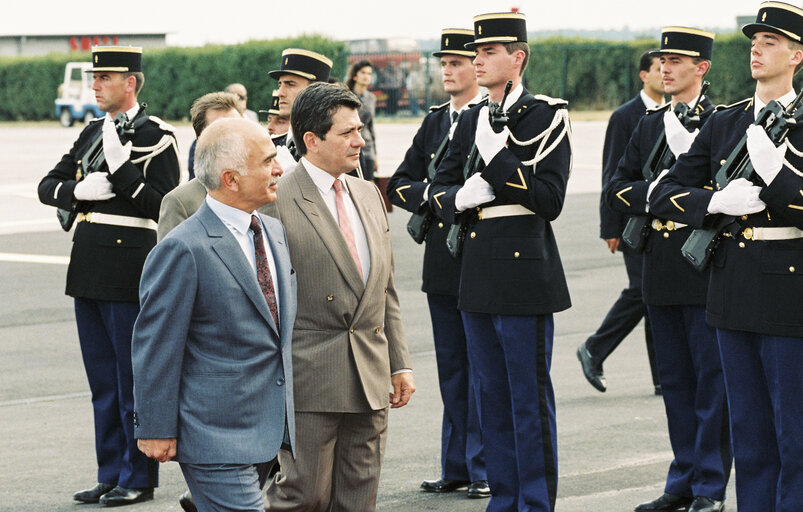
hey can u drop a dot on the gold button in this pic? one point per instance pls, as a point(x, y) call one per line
point(330, 298)
point(791, 269)
point(376, 330)
point(473, 235)
point(722, 162)
point(748, 233)
point(744, 217)
point(351, 330)
point(516, 254)
point(666, 235)
point(119, 241)
point(670, 225)
point(741, 244)
point(440, 224)
point(432, 155)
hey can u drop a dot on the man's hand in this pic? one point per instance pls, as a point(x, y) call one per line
point(403, 389)
point(739, 197)
point(613, 244)
point(488, 142)
point(767, 160)
point(160, 449)
point(678, 139)
point(95, 187)
point(474, 192)
point(116, 154)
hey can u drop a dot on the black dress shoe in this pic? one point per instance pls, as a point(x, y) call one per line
point(443, 485)
point(479, 489)
point(592, 371)
point(121, 496)
point(665, 503)
point(187, 503)
point(703, 504)
point(92, 495)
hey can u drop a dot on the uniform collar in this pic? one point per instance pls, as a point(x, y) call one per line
point(473, 101)
point(784, 100)
point(131, 113)
point(648, 102)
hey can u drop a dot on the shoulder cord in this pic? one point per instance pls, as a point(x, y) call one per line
point(167, 141)
point(794, 151)
point(561, 116)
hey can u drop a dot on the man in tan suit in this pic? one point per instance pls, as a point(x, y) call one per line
point(348, 344)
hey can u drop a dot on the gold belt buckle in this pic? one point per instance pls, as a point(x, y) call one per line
point(748, 233)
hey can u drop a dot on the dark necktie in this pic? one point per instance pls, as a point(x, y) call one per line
point(263, 269)
point(454, 116)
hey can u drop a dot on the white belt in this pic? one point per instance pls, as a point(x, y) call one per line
point(505, 210)
point(117, 220)
point(784, 233)
point(670, 225)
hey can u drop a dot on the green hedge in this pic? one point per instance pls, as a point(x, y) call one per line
point(174, 77)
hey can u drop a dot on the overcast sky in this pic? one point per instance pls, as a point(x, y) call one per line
point(202, 21)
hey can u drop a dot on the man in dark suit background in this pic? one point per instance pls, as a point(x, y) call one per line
point(629, 308)
point(211, 346)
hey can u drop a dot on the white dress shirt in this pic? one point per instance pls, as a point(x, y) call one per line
point(648, 102)
point(784, 100)
point(324, 181)
point(239, 224)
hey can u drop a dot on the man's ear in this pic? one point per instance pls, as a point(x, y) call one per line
point(311, 141)
point(229, 180)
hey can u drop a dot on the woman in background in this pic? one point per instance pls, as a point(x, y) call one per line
point(358, 79)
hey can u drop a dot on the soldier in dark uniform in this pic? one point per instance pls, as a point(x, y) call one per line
point(686, 348)
point(756, 272)
point(278, 125)
point(115, 230)
point(629, 308)
point(462, 462)
point(298, 69)
point(511, 279)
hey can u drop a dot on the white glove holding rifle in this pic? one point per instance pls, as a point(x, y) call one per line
point(115, 152)
point(94, 187)
point(488, 142)
point(767, 159)
point(678, 139)
point(475, 191)
point(739, 197)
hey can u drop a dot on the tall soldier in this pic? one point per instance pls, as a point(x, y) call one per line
point(629, 308)
point(462, 462)
point(757, 270)
point(511, 279)
point(685, 346)
point(118, 207)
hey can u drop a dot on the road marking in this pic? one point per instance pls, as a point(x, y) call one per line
point(34, 258)
point(28, 222)
point(49, 398)
point(644, 460)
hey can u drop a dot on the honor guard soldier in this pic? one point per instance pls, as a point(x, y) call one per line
point(511, 279)
point(299, 68)
point(278, 125)
point(756, 271)
point(629, 308)
point(462, 462)
point(686, 350)
point(112, 189)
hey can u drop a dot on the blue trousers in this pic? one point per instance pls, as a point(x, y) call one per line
point(461, 439)
point(764, 381)
point(227, 487)
point(512, 356)
point(693, 390)
point(104, 332)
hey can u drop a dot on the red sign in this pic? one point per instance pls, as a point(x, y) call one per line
point(85, 43)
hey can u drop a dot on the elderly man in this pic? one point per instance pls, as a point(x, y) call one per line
point(211, 348)
point(348, 342)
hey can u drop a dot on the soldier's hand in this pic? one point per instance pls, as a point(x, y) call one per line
point(488, 142)
point(403, 389)
point(475, 191)
point(678, 139)
point(95, 187)
point(613, 244)
point(739, 197)
point(767, 160)
point(116, 154)
point(160, 449)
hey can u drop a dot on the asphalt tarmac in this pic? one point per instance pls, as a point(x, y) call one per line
point(613, 448)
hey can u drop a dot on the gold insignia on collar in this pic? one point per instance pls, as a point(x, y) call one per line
point(398, 191)
point(619, 195)
point(521, 185)
point(764, 17)
point(678, 197)
point(446, 43)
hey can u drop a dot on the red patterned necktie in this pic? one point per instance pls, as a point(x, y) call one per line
point(263, 269)
point(345, 224)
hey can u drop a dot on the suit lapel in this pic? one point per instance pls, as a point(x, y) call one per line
point(312, 205)
point(230, 253)
point(281, 257)
point(362, 199)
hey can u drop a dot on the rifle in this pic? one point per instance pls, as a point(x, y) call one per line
point(419, 222)
point(457, 232)
point(777, 121)
point(638, 226)
point(94, 159)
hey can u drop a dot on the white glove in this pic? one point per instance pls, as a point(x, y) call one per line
point(95, 187)
point(767, 160)
point(488, 142)
point(678, 139)
point(652, 186)
point(739, 197)
point(285, 159)
point(475, 191)
point(116, 154)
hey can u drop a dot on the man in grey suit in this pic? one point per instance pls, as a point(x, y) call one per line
point(211, 348)
point(349, 348)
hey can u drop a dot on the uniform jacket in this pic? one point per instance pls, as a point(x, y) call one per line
point(511, 265)
point(668, 279)
point(621, 125)
point(211, 368)
point(755, 285)
point(348, 336)
point(106, 260)
point(441, 273)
